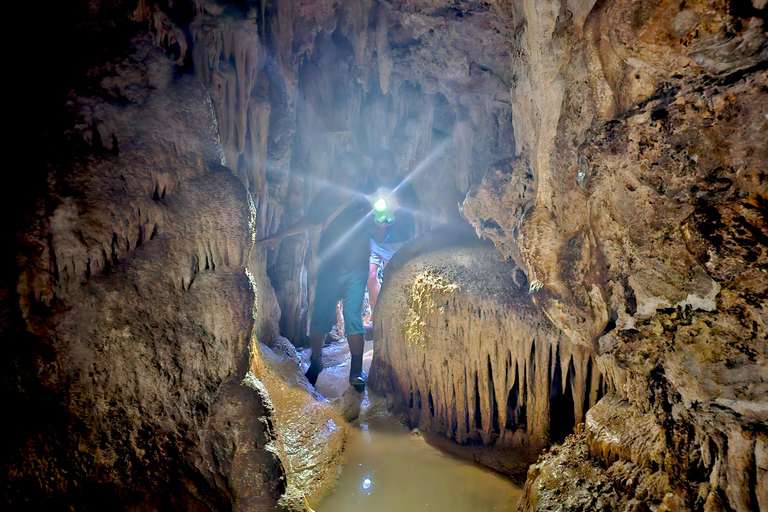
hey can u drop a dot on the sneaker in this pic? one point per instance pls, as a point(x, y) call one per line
point(315, 367)
point(358, 380)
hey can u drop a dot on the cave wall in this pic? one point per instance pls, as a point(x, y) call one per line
point(639, 218)
point(128, 309)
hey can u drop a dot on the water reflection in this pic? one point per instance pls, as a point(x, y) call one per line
point(389, 468)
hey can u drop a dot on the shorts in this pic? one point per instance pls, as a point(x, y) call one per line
point(333, 286)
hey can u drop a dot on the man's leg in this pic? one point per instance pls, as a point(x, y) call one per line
point(353, 323)
point(316, 340)
point(356, 344)
point(327, 295)
point(373, 285)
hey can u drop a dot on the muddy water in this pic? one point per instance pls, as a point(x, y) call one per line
point(389, 468)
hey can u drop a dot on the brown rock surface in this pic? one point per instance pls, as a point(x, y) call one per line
point(311, 434)
point(615, 150)
point(646, 238)
point(127, 336)
point(462, 350)
point(566, 477)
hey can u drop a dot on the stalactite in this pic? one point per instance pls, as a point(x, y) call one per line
point(382, 47)
point(229, 57)
point(258, 124)
point(452, 335)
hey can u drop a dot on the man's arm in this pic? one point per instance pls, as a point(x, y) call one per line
point(319, 210)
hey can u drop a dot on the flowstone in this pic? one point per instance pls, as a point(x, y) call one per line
point(462, 350)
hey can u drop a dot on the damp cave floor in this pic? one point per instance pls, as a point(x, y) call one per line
point(390, 468)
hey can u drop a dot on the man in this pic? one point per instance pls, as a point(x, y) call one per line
point(344, 214)
point(388, 238)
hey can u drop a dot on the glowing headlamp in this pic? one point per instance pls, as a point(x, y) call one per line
point(380, 205)
point(384, 204)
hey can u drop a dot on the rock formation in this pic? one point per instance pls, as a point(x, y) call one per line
point(129, 309)
point(615, 151)
point(645, 238)
point(130, 355)
point(463, 351)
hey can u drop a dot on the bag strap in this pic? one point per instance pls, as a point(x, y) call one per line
point(337, 212)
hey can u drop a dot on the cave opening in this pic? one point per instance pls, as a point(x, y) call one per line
point(561, 404)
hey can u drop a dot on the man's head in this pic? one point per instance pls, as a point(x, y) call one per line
point(348, 170)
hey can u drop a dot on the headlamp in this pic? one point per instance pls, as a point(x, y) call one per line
point(384, 204)
point(380, 205)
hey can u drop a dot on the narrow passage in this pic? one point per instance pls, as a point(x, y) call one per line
point(391, 468)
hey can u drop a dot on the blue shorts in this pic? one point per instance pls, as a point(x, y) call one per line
point(330, 289)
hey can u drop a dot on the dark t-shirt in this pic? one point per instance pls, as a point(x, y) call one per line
point(344, 243)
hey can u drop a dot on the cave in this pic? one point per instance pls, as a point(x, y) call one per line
point(581, 310)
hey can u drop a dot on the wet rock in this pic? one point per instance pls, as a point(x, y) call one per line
point(462, 350)
point(242, 442)
point(311, 433)
point(566, 477)
point(133, 310)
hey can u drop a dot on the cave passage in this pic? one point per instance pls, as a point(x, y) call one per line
point(580, 305)
point(389, 468)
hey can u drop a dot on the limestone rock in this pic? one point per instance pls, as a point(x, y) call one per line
point(311, 434)
point(567, 478)
point(461, 349)
point(631, 245)
point(128, 346)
